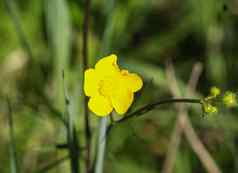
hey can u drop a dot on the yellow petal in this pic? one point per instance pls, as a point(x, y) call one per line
point(131, 81)
point(107, 66)
point(100, 105)
point(91, 82)
point(122, 99)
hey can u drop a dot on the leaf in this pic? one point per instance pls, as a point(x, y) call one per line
point(59, 31)
point(12, 144)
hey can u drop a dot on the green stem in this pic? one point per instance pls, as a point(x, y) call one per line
point(151, 106)
point(101, 145)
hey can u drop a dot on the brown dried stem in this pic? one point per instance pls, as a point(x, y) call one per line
point(183, 124)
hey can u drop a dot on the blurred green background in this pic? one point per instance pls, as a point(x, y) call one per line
point(40, 38)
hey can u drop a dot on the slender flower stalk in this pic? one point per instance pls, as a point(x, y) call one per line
point(152, 106)
point(141, 111)
point(101, 145)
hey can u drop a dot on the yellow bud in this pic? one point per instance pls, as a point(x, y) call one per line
point(214, 91)
point(229, 99)
point(208, 108)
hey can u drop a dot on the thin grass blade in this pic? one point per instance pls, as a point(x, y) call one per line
point(12, 142)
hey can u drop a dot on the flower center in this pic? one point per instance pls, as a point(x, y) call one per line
point(107, 86)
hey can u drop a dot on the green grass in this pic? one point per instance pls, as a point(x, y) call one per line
point(40, 39)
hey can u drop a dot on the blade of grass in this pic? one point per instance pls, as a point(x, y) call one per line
point(14, 15)
point(53, 164)
point(12, 10)
point(57, 162)
point(72, 140)
point(108, 32)
point(59, 31)
point(87, 129)
point(12, 143)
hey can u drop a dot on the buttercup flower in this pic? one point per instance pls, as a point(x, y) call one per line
point(109, 87)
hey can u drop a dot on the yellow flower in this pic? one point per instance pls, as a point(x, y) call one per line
point(229, 99)
point(109, 87)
